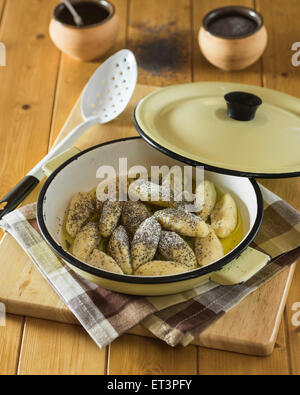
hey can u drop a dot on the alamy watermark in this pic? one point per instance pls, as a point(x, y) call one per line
point(2, 55)
point(157, 183)
point(296, 56)
point(2, 314)
point(296, 315)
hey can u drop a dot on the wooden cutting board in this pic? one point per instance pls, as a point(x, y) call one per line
point(250, 328)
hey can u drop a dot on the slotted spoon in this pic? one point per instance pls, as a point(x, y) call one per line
point(105, 96)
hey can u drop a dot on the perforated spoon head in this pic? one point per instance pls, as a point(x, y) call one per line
point(110, 89)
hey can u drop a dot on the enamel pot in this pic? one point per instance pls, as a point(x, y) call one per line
point(79, 174)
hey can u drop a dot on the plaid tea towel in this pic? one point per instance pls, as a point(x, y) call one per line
point(176, 319)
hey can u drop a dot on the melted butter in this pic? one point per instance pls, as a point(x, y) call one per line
point(230, 242)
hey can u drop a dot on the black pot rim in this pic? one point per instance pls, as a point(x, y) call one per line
point(229, 10)
point(135, 279)
point(216, 169)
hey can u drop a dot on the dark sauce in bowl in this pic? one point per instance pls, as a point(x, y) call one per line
point(233, 22)
point(91, 13)
point(232, 26)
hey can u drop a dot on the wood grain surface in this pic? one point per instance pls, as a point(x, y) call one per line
point(39, 88)
point(279, 73)
point(52, 348)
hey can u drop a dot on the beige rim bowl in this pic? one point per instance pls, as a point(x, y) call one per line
point(232, 54)
point(86, 43)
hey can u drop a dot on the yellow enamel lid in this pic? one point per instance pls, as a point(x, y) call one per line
point(190, 122)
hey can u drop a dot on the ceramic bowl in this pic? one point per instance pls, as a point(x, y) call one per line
point(232, 53)
point(85, 42)
point(79, 174)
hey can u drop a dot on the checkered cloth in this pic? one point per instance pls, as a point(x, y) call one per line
point(176, 319)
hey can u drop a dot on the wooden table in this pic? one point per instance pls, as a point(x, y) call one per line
point(39, 86)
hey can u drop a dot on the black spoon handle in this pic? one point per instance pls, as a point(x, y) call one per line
point(18, 194)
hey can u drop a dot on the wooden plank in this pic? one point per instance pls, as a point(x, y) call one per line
point(27, 91)
point(160, 35)
point(27, 88)
point(280, 74)
point(202, 69)
point(136, 355)
point(2, 5)
point(10, 343)
point(226, 363)
point(52, 348)
point(24, 291)
point(283, 29)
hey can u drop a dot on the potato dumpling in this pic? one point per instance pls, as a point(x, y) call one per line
point(206, 197)
point(183, 222)
point(152, 193)
point(109, 218)
point(160, 268)
point(172, 247)
point(208, 249)
point(145, 242)
point(133, 214)
point(224, 216)
point(119, 249)
point(81, 208)
point(85, 241)
point(103, 261)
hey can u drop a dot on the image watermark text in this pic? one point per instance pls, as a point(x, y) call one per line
point(296, 315)
point(158, 183)
point(2, 314)
point(296, 55)
point(2, 55)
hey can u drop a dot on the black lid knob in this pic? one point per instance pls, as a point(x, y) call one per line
point(242, 106)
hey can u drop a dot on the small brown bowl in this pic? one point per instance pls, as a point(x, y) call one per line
point(232, 45)
point(87, 42)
